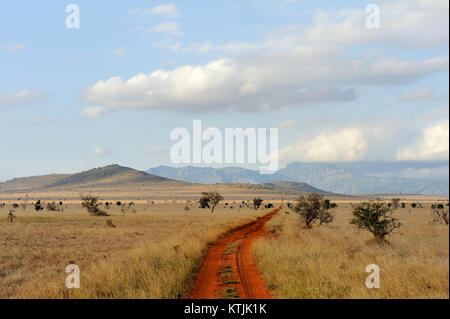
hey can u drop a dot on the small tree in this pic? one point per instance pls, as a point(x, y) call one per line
point(38, 206)
point(92, 205)
point(376, 217)
point(210, 199)
point(313, 209)
point(257, 202)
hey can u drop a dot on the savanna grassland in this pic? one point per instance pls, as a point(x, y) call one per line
point(152, 249)
point(330, 261)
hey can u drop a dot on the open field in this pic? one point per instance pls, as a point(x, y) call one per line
point(330, 261)
point(157, 247)
point(152, 253)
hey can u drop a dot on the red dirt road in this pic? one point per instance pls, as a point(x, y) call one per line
point(228, 270)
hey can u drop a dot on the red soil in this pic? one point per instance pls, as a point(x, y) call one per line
point(228, 270)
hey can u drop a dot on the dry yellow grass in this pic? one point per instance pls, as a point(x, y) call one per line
point(150, 254)
point(330, 261)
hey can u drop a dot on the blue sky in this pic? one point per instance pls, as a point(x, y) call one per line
point(337, 90)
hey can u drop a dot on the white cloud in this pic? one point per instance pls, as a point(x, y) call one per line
point(15, 47)
point(427, 94)
point(292, 66)
point(343, 145)
point(94, 111)
point(119, 52)
point(433, 144)
point(22, 98)
point(305, 76)
point(165, 10)
point(170, 28)
point(100, 152)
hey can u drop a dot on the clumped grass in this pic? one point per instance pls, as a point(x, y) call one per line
point(330, 261)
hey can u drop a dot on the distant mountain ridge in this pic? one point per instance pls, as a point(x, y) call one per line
point(325, 176)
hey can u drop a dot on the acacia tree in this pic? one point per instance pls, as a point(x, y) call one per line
point(376, 217)
point(257, 202)
point(313, 209)
point(210, 199)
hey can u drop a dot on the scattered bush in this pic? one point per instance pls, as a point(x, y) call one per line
point(313, 209)
point(91, 204)
point(52, 207)
point(11, 216)
point(257, 202)
point(376, 217)
point(38, 206)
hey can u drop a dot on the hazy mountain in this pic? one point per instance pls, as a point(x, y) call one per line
point(336, 178)
point(333, 178)
point(108, 176)
point(208, 175)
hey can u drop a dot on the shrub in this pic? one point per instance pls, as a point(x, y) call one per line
point(38, 206)
point(91, 204)
point(11, 216)
point(313, 209)
point(257, 202)
point(52, 207)
point(376, 217)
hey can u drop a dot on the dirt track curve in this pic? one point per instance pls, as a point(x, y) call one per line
point(228, 270)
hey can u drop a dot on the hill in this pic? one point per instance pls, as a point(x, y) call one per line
point(108, 176)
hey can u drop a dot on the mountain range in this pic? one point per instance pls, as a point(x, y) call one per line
point(331, 177)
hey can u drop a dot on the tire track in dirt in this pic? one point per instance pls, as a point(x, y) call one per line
point(228, 270)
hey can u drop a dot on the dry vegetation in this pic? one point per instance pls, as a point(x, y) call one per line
point(152, 252)
point(330, 261)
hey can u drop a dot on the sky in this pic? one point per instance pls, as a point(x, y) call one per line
point(112, 90)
